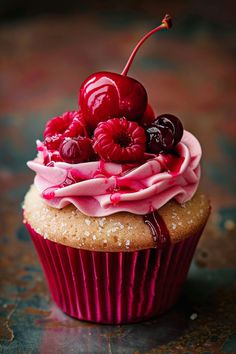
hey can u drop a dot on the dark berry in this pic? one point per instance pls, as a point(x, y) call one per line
point(76, 150)
point(173, 123)
point(119, 140)
point(164, 133)
point(159, 138)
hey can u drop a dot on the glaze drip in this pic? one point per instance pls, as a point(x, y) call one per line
point(158, 229)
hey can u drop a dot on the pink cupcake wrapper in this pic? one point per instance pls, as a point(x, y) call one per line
point(114, 287)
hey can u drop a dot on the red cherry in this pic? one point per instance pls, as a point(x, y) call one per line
point(106, 95)
point(76, 150)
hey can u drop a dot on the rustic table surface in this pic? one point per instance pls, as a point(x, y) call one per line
point(189, 71)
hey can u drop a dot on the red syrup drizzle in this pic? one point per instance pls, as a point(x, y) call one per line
point(172, 163)
point(49, 193)
point(158, 228)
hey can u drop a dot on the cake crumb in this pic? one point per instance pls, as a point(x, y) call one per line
point(86, 233)
point(119, 225)
point(173, 226)
point(114, 229)
point(194, 316)
point(102, 222)
point(229, 225)
point(87, 222)
point(94, 237)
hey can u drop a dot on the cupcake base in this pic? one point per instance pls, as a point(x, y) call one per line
point(115, 287)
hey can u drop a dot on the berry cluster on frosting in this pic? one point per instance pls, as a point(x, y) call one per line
point(115, 122)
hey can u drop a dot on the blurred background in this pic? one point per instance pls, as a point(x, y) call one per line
point(49, 47)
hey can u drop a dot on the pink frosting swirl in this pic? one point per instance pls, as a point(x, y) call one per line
point(103, 188)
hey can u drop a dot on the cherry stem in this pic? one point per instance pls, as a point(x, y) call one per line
point(166, 24)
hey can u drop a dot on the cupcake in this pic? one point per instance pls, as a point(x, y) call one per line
point(114, 212)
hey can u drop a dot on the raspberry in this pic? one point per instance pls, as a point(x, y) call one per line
point(76, 128)
point(70, 124)
point(53, 142)
point(76, 150)
point(119, 140)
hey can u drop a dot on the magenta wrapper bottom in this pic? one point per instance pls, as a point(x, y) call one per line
point(114, 287)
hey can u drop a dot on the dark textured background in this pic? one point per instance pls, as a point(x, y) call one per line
point(47, 50)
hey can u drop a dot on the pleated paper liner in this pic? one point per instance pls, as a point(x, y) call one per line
point(114, 287)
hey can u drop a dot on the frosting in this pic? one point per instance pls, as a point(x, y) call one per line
point(102, 188)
